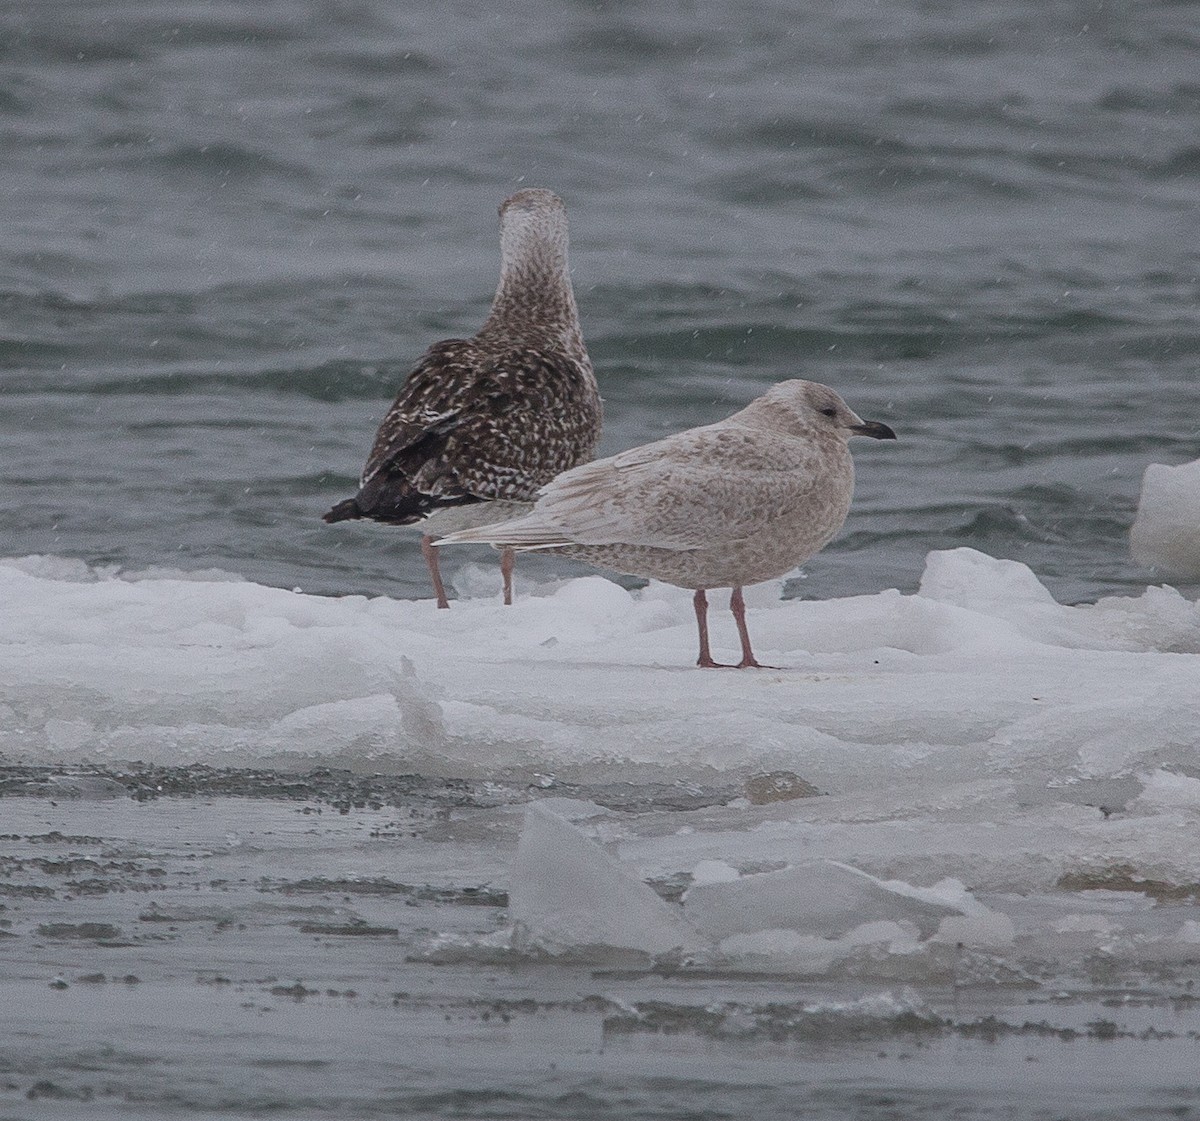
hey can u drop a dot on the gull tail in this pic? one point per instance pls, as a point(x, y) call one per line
point(522, 534)
point(343, 511)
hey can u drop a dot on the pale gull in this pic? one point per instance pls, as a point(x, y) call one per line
point(722, 506)
point(480, 424)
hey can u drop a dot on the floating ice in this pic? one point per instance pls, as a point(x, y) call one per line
point(981, 673)
point(791, 951)
point(823, 897)
point(1166, 533)
point(976, 730)
point(814, 914)
point(568, 892)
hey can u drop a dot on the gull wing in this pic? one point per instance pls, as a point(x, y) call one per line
point(461, 423)
point(680, 493)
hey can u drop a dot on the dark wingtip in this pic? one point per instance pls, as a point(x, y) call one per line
point(876, 429)
point(342, 512)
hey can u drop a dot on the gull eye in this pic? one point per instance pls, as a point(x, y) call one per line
point(829, 410)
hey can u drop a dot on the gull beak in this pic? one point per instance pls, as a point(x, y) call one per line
point(877, 430)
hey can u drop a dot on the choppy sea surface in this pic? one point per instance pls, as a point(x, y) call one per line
point(229, 230)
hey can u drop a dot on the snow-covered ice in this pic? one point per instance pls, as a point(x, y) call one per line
point(979, 675)
point(976, 733)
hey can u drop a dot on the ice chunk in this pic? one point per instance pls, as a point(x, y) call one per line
point(568, 892)
point(808, 953)
point(990, 930)
point(713, 872)
point(822, 897)
point(989, 590)
point(993, 590)
point(897, 937)
point(969, 578)
point(1159, 619)
point(804, 953)
point(1162, 789)
point(1086, 924)
point(1166, 532)
point(64, 569)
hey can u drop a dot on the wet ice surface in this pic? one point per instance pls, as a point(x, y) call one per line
point(374, 859)
point(237, 956)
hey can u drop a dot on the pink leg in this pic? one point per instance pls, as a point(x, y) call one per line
point(738, 606)
point(508, 558)
point(430, 553)
point(700, 603)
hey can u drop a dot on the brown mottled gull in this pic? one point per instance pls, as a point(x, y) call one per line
point(732, 503)
point(480, 424)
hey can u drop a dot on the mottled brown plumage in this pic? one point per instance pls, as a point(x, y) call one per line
point(482, 423)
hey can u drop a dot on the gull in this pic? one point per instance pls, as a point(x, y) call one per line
point(481, 424)
point(721, 506)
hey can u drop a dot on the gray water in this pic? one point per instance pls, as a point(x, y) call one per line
point(229, 230)
point(219, 947)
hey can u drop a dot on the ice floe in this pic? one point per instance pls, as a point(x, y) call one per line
point(979, 674)
point(955, 768)
point(570, 895)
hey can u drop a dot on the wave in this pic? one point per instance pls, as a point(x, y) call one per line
point(224, 160)
point(332, 381)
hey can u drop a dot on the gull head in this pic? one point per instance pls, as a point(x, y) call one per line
point(815, 409)
point(533, 223)
point(532, 200)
